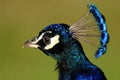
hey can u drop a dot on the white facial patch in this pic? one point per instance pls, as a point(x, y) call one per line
point(54, 40)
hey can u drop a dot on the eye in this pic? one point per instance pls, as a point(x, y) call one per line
point(46, 40)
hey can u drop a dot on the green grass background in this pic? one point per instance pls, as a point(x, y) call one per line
point(20, 20)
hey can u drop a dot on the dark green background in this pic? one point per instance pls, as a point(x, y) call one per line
point(20, 20)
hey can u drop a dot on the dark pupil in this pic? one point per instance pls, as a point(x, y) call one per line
point(46, 40)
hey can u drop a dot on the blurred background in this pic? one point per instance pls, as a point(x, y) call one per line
point(20, 20)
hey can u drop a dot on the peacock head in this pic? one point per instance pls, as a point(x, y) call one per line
point(52, 40)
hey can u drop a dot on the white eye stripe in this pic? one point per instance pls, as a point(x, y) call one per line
point(41, 36)
point(37, 39)
point(54, 40)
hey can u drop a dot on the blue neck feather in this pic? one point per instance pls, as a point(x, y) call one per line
point(73, 56)
point(74, 65)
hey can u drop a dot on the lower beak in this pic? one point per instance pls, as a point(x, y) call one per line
point(30, 44)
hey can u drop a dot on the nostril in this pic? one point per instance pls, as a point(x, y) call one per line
point(34, 39)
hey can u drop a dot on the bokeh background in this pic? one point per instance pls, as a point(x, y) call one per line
point(20, 20)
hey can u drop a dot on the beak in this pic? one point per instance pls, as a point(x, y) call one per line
point(31, 43)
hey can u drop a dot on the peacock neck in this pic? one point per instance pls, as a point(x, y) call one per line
point(73, 57)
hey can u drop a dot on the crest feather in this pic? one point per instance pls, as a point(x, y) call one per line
point(92, 29)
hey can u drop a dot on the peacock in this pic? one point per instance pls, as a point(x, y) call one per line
point(62, 42)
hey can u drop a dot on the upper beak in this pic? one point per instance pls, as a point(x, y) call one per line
point(31, 43)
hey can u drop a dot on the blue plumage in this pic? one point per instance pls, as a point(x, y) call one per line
point(104, 37)
point(61, 42)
